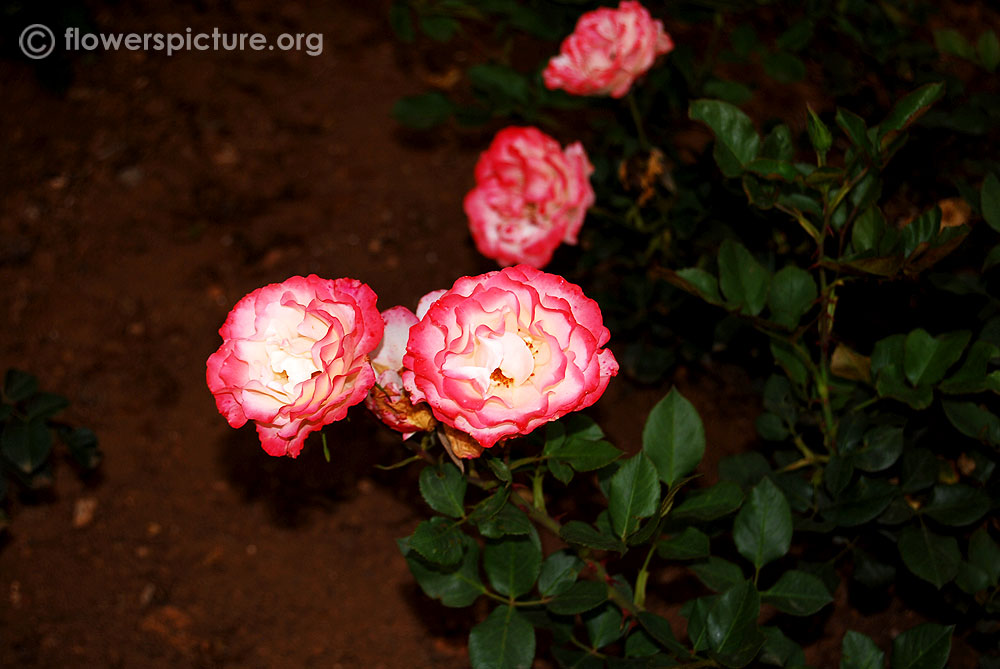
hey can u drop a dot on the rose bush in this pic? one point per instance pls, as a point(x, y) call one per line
point(607, 51)
point(530, 196)
point(502, 353)
point(294, 358)
point(387, 398)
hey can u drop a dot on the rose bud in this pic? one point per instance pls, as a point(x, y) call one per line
point(387, 399)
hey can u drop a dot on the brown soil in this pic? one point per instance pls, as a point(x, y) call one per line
point(136, 208)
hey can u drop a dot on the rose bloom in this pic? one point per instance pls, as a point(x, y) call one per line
point(608, 50)
point(530, 196)
point(387, 399)
point(502, 353)
point(294, 358)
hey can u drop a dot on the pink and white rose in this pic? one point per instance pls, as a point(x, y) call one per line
point(530, 196)
point(387, 399)
point(294, 358)
point(502, 353)
point(607, 51)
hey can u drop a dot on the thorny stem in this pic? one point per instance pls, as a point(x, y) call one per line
point(539, 516)
point(582, 646)
point(552, 525)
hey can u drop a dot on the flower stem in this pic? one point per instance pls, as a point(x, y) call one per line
point(642, 579)
point(637, 118)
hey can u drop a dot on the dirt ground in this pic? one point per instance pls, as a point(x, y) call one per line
point(136, 207)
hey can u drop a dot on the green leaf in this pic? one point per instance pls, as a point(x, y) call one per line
point(790, 361)
point(793, 292)
point(870, 572)
point(771, 427)
point(27, 445)
point(604, 625)
point(439, 28)
point(710, 503)
point(727, 624)
point(819, 135)
point(638, 644)
point(717, 574)
point(744, 40)
point(736, 139)
point(868, 230)
point(990, 200)
point(779, 146)
point(784, 67)
point(423, 111)
point(779, 650)
point(927, 358)
point(581, 426)
point(985, 554)
point(505, 640)
point(582, 596)
point(443, 488)
point(634, 494)
point(586, 456)
point(919, 471)
point(763, 527)
point(973, 421)
point(569, 658)
point(988, 48)
point(509, 520)
point(926, 646)
point(972, 579)
point(673, 437)
point(490, 507)
point(837, 474)
point(957, 504)
point(797, 593)
point(558, 573)
point(910, 108)
point(499, 468)
point(512, 564)
point(880, 449)
point(952, 42)
point(576, 532)
point(921, 230)
point(729, 91)
point(861, 502)
point(856, 130)
point(399, 19)
point(82, 445)
point(744, 281)
point(747, 469)
point(659, 628)
point(456, 587)
point(438, 540)
point(500, 83)
point(18, 385)
point(930, 556)
point(44, 406)
point(797, 37)
point(690, 544)
point(706, 285)
point(860, 652)
point(974, 376)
